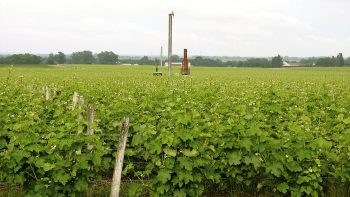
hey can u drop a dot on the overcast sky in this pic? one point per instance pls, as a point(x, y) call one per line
point(205, 27)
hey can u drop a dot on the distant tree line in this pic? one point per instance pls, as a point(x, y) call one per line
point(145, 60)
point(109, 57)
point(21, 59)
point(80, 57)
point(326, 61)
point(59, 58)
point(202, 61)
point(275, 62)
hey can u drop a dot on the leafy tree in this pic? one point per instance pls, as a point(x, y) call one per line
point(175, 58)
point(308, 61)
point(145, 61)
point(347, 61)
point(50, 59)
point(340, 59)
point(331, 61)
point(82, 57)
point(107, 57)
point(325, 61)
point(60, 58)
point(200, 61)
point(277, 62)
point(257, 62)
point(22, 59)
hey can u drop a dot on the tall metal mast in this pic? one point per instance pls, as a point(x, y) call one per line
point(170, 42)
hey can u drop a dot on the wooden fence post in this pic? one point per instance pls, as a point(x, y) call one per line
point(90, 129)
point(119, 159)
point(47, 93)
point(75, 100)
point(80, 116)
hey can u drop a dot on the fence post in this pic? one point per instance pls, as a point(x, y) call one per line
point(75, 100)
point(47, 93)
point(119, 159)
point(90, 128)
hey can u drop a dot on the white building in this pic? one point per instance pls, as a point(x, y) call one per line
point(176, 64)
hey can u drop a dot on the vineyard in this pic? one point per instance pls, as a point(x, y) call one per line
point(285, 131)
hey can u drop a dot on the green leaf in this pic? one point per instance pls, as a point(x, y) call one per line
point(260, 185)
point(234, 158)
point(347, 121)
point(161, 189)
point(255, 160)
point(248, 117)
point(19, 179)
point(18, 155)
point(81, 185)
point(294, 166)
point(164, 176)
point(115, 124)
point(3, 143)
point(180, 193)
point(184, 176)
point(62, 177)
point(96, 159)
point(254, 130)
point(304, 154)
point(134, 189)
point(283, 187)
point(275, 169)
point(170, 152)
point(324, 144)
point(137, 140)
point(185, 163)
point(190, 153)
point(246, 143)
point(306, 189)
point(48, 166)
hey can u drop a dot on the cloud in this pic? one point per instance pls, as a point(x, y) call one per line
point(225, 27)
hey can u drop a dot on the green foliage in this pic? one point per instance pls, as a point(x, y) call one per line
point(347, 61)
point(145, 61)
point(331, 61)
point(326, 61)
point(107, 57)
point(201, 61)
point(280, 130)
point(308, 61)
point(50, 59)
point(21, 59)
point(340, 60)
point(82, 57)
point(250, 62)
point(276, 61)
point(60, 58)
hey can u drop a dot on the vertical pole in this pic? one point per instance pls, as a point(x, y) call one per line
point(185, 64)
point(80, 116)
point(90, 128)
point(47, 93)
point(119, 159)
point(75, 100)
point(169, 46)
point(170, 43)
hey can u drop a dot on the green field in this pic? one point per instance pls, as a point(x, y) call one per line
point(282, 131)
